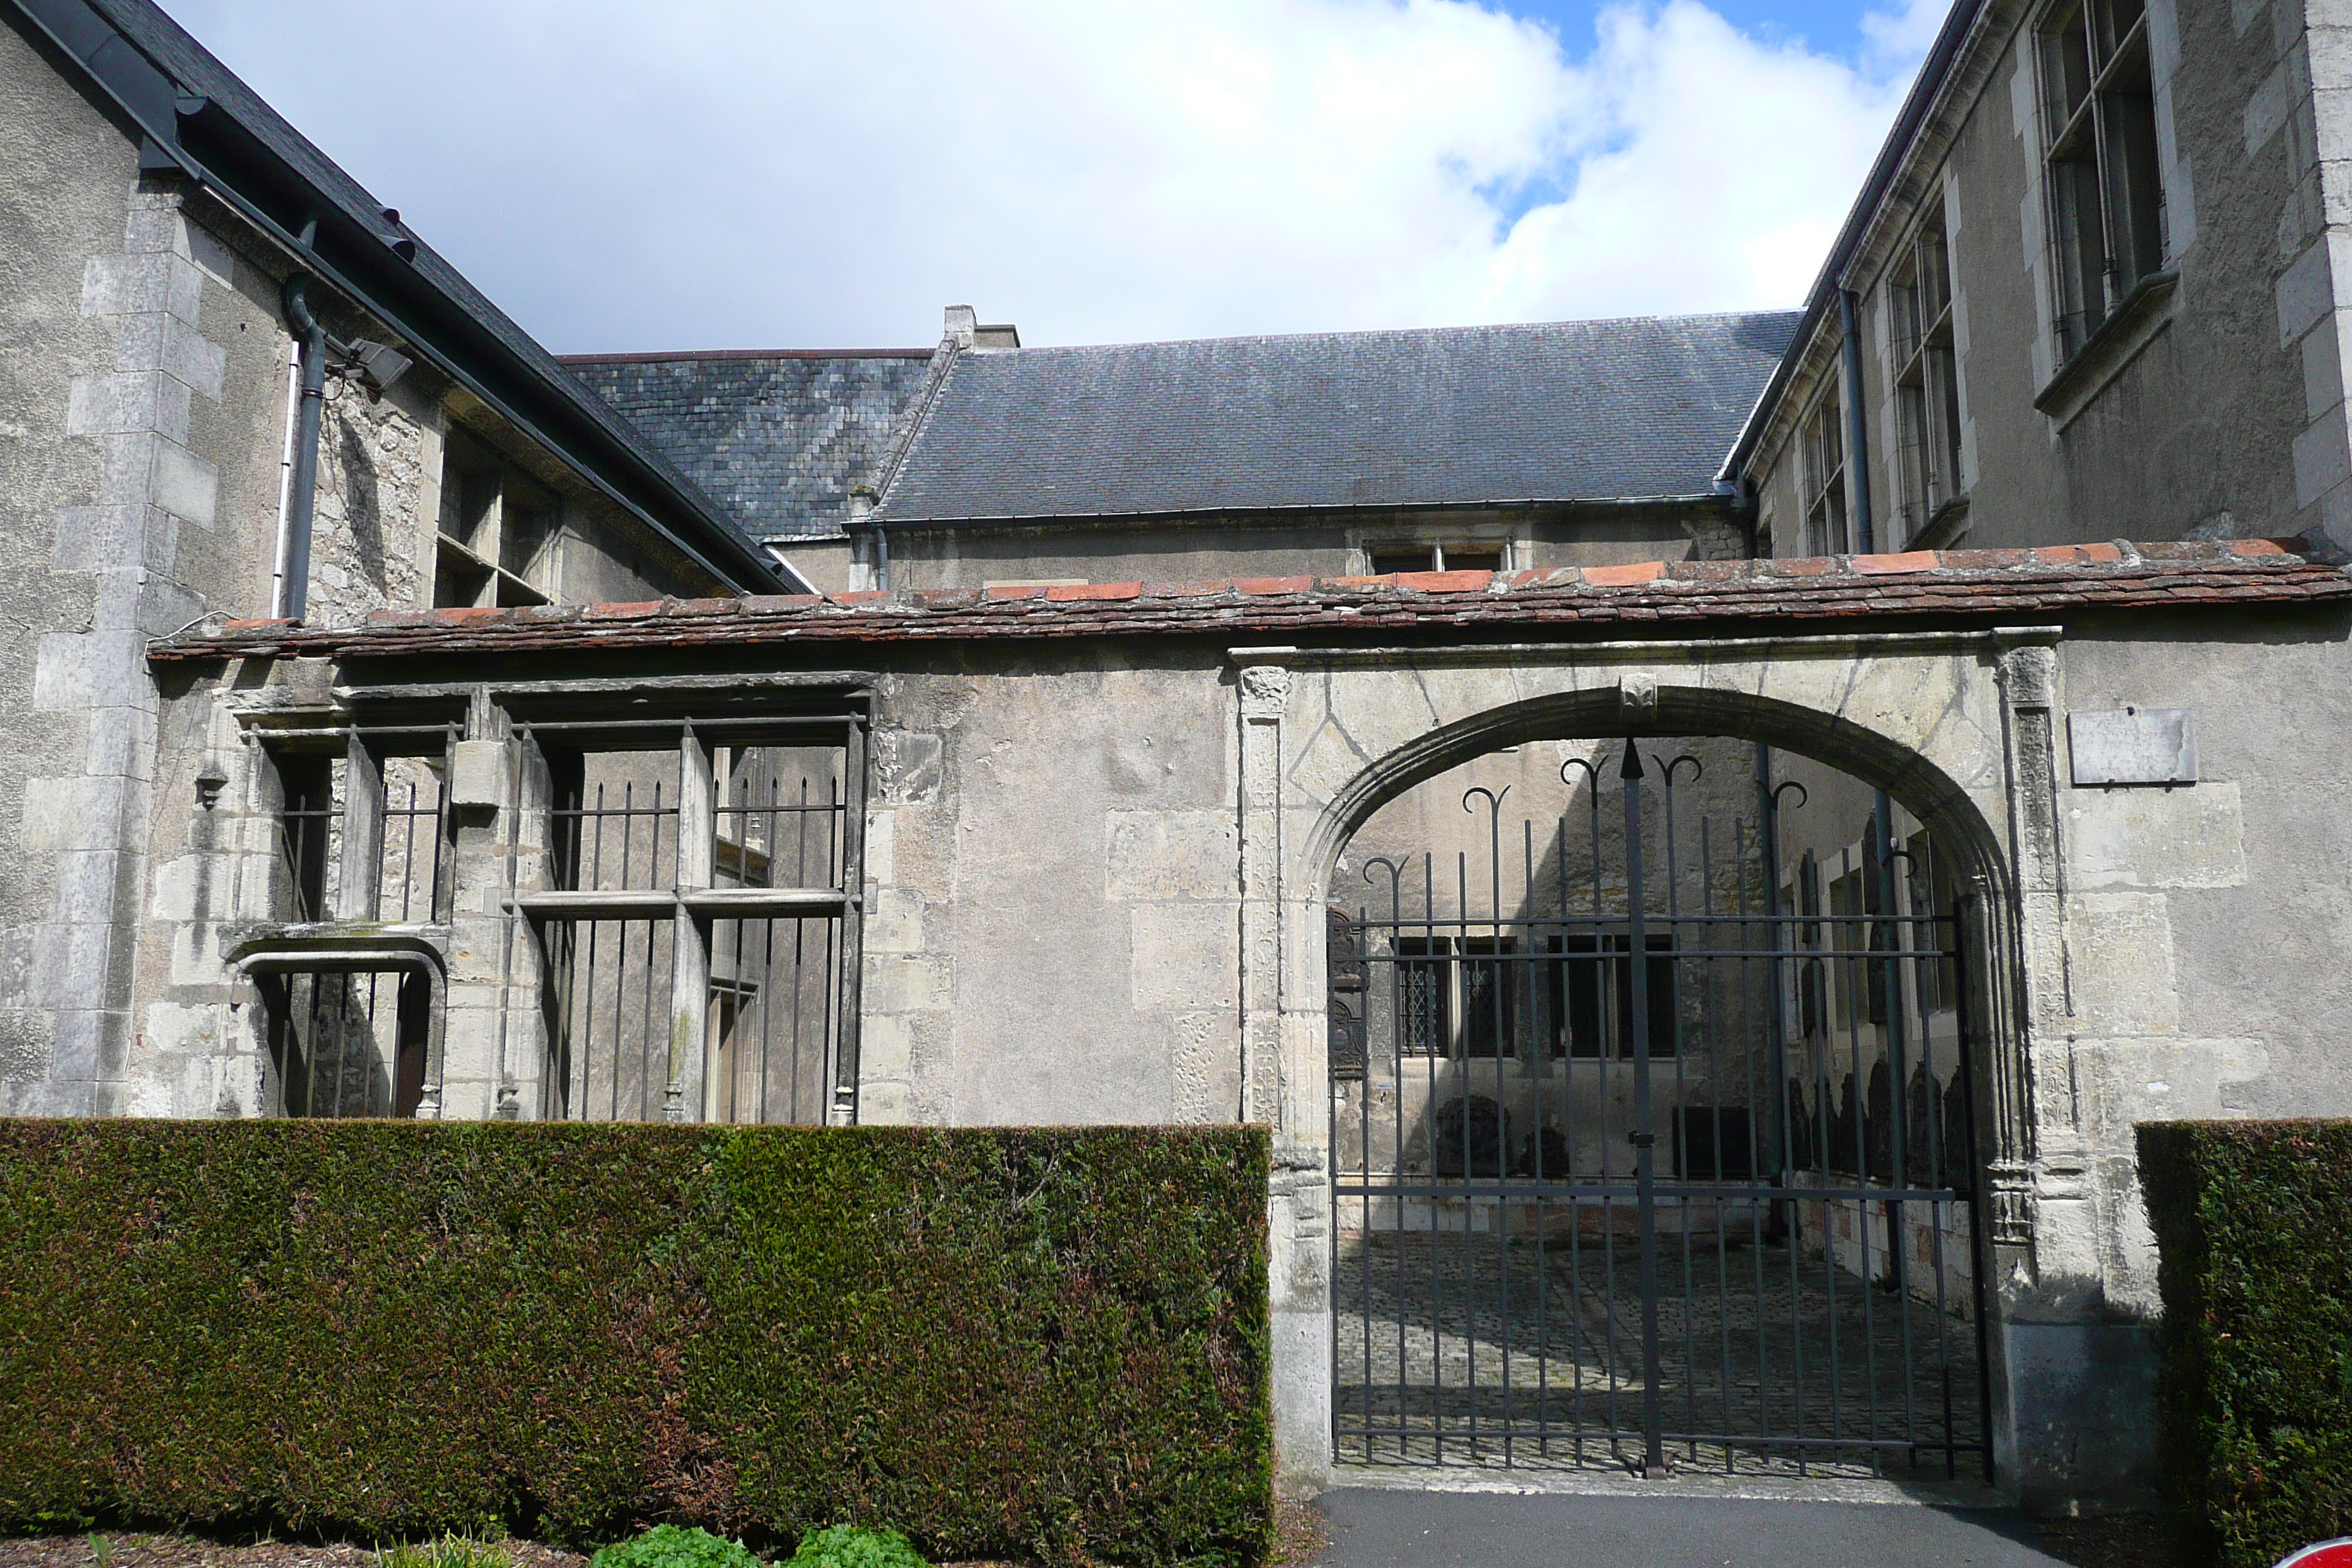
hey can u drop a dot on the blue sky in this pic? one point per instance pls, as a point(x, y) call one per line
point(799, 173)
point(1827, 25)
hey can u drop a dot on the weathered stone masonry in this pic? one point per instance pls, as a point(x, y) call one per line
point(1101, 824)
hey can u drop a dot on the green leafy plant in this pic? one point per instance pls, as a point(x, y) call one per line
point(676, 1546)
point(448, 1551)
point(1043, 1343)
point(854, 1546)
point(2255, 1269)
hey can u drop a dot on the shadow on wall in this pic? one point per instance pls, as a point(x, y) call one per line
point(363, 506)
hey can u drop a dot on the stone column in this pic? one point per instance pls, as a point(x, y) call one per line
point(1283, 1078)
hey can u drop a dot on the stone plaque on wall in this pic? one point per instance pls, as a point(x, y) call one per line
point(2133, 746)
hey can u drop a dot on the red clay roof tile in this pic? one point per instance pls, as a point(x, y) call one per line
point(2006, 583)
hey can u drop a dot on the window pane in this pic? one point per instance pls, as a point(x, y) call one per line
point(2135, 196)
point(2065, 70)
point(1658, 998)
point(2082, 250)
point(1912, 449)
point(1584, 981)
point(1422, 993)
point(1489, 1019)
point(608, 997)
point(778, 816)
point(1941, 374)
point(310, 830)
point(408, 887)
point(772, 1011)
point(2115, 19)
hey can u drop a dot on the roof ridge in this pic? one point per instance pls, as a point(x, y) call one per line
point(909, 434)
point(1413, 332)
point(703, 355)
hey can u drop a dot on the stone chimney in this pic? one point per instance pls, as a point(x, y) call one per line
point(967, 330)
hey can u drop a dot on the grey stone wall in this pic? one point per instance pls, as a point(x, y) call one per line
point(1095, 874)
point(1215, 549)
point(2221, 415)
point(144, 413)
point(119, 359)
point(1052, 931)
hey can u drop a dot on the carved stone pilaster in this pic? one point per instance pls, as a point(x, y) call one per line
point(2021, 957)
point(2028, 678)
point(1265, 692)
point(2009, 1204)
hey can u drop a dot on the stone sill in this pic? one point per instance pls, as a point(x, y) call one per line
point(1947, 523)
point(2147, 311)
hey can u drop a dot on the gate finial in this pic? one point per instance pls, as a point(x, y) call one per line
point(1633, 767)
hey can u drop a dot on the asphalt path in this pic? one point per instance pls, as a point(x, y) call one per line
point(1386, 1529)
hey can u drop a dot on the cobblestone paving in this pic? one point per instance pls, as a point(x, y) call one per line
point(1457, 1348)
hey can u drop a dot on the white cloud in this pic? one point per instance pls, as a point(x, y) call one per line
point(1898, 38)
point(711, 172)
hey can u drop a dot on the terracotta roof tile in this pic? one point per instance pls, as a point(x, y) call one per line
point(1969, 583)
point(1625, 576)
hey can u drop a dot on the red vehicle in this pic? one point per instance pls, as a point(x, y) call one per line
point(2336, 1554)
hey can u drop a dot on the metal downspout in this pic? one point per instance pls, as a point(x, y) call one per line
point(1882, 816)
point(1857, 430)
point(286, 474)
point(293, 587)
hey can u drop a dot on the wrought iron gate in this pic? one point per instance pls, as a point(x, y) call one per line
point(1654, 1170)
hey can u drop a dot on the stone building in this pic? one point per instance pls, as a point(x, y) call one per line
point(1700, 936)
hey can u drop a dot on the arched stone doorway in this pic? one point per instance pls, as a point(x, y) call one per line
point(1955, 727)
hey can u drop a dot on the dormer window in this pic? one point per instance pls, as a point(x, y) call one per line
point(1435, 555)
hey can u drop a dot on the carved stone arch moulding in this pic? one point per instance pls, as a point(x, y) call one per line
point(1328, 736)
point(1943, 721)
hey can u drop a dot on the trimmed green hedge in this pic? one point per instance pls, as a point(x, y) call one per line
point(1046, 1342)
point(2254, 1225)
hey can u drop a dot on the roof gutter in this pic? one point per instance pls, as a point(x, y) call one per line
point(1822, 298)
point(154, 101)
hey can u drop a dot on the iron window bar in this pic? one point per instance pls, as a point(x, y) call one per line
point(339, 804)
point(412, 861)
point(684, 982)
point(732, 903)
point(334, 1024)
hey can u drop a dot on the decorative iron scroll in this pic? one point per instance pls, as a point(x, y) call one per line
point(1348, 1060)
point(1344, 946)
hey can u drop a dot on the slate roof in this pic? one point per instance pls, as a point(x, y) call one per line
point(779, 438)
point(1971, 585)
point(1457, 415)
point(206, 121)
